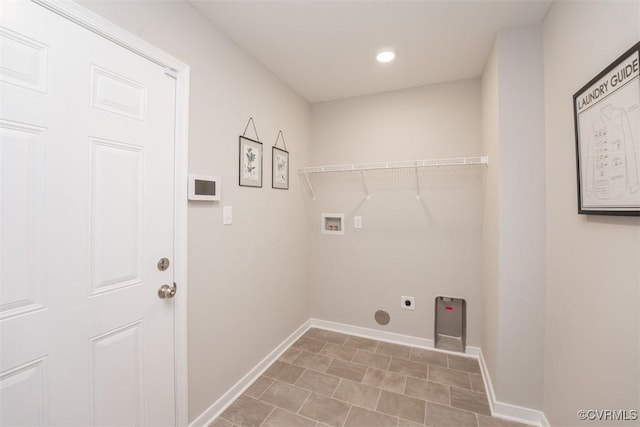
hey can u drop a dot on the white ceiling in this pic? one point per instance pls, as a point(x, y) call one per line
point(325, 50)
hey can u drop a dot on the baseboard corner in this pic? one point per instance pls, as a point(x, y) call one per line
point(213, 411)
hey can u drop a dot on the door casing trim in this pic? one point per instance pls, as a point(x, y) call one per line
point(95, 23)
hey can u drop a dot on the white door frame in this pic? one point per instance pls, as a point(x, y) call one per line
point(180, 70)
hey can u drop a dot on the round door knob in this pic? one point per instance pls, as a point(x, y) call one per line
point(167, 291)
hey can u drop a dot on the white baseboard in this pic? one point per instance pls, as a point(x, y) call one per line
point(505, 410)
point(213, 411)
point(387, 336)
point(498, 409)
point(519, 414)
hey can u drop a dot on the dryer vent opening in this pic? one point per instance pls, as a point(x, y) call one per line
point(450, 324)
point(382, 317)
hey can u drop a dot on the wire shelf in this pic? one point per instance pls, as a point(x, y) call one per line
point(479, 160)
point(458, 162)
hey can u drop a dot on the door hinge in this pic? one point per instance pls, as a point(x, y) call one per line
point(171, 73)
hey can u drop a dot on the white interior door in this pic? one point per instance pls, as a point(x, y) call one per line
point(87, 194)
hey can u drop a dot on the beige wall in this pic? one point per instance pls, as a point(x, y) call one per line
point(248, 281)
point(420, 248)
point(592, 358)
point(513, 238)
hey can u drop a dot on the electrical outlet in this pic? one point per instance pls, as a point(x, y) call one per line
point(408, 303)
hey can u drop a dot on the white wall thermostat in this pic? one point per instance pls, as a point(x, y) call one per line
point(204, 187)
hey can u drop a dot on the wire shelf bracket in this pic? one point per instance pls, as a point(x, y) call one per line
point(364, 185)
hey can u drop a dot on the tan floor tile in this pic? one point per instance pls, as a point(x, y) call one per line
point(284, 372)
point(313, 361)
point(405, 423)
point(449, 376)
point(309, 344)
point(247, 412)
point(477, 384)
point(362, 343)
point(358, 394)
point(484, 421)
point(385, 380)
point(402, 406)
point(330, 336)
point(258, 387)
point(444, 416)
point(464, 363)
point(326, 410)
point(348, 370)
point(394, 350)
point(427, 390)
point(360, 417)
point(220, 422)
point(318, 382)
point(470, 401)
point(281, 418)
point(311, 333)
point(290, 355)
point(406, 367)
point(341, 352)
point(285, 396)
point(375, 360)
point(429, 356)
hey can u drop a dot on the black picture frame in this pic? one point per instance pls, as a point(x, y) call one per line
point(606, 114)
point(250, 164)
point(279, 168)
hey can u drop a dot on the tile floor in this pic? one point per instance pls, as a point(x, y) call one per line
point(330, 379)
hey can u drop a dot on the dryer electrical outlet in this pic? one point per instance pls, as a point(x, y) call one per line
point(408, 303)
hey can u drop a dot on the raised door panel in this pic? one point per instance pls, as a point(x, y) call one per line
point(117, 94)
point(23, 59)
point(116, 215)
point(21, 218)
point(117, 369)
point(22, 395)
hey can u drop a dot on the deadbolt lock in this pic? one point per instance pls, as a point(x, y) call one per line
point(163, 264)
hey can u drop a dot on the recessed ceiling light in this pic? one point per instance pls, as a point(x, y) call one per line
point(386, 55)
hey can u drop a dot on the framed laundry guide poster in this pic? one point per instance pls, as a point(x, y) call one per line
point(607, 126)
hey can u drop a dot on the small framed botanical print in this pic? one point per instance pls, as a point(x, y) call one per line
point(250, 162)
point(280, 174)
